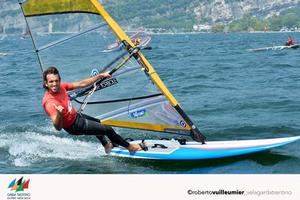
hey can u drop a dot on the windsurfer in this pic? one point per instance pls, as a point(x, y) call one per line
point(290, 41)
point(137, 41)
point(57, 105)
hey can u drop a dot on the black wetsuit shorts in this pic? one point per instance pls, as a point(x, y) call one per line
point(86, 125)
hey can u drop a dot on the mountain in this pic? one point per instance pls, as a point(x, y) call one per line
point(166, 15)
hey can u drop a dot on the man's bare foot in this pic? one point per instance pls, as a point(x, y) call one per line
point(108, 147)
point(134, 147)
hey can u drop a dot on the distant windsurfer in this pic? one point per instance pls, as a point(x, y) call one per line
point(290, 41)
point(137, 41)
point(57, 105)
point(25, 35)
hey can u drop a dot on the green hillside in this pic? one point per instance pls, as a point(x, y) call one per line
point(168, 14)
point(176, 16)
point(289, 18)
point(182, 15)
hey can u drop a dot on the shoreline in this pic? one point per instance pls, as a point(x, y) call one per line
point(163, 33)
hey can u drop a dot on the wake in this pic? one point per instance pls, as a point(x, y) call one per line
point(29, 147)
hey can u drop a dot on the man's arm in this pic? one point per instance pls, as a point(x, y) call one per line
point(91, 80)
point(57, 119)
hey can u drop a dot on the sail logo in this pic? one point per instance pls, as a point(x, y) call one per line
point(107, 83)
point(17, 189)
point(182, 123)
point(94, 72)
point(137, 113)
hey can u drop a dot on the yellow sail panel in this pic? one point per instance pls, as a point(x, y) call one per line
point(47, 7)
point(144, 126)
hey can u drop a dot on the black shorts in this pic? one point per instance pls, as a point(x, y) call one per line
point(86, 125)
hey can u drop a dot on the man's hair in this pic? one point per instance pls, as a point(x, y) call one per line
point(49, 70)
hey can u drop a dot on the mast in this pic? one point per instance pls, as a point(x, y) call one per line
point(33, 42)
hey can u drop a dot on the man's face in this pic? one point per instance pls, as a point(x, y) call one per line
point(52, 82)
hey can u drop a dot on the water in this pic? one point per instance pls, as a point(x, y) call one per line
point(228, 92)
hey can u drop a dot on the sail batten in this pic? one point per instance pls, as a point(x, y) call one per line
point(65, 39)
point(122, 100)
point(145, 126)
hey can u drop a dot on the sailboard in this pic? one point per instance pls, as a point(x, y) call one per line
point(185, 150)
point(280, 47)
point(134, 97)
point(3, 54)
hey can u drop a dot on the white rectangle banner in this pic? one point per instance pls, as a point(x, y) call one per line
point(149, 187)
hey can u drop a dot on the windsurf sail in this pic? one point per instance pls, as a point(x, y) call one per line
point(135, 97)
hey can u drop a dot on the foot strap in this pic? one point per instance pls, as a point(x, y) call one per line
point(159, 146)
point(143, 145)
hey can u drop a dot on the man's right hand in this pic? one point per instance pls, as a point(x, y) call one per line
point(59, 109)
point(58, 118)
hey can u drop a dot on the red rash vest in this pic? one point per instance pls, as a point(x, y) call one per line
point(60, 98)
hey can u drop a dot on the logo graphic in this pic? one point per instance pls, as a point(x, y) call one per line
point(138, 113)
point(17, 190)
point(182, 123)
point(94, 72)
point(19, 185)
point(107, 83)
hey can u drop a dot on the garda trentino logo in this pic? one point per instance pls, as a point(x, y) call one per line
point(19, 185)
point(18, 189)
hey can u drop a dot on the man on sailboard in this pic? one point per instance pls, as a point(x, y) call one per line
point(290, 41)
point(57, 105)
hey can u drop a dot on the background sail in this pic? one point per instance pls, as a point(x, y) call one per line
point(131, 98)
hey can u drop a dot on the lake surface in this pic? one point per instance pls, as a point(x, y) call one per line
point(229, 93)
